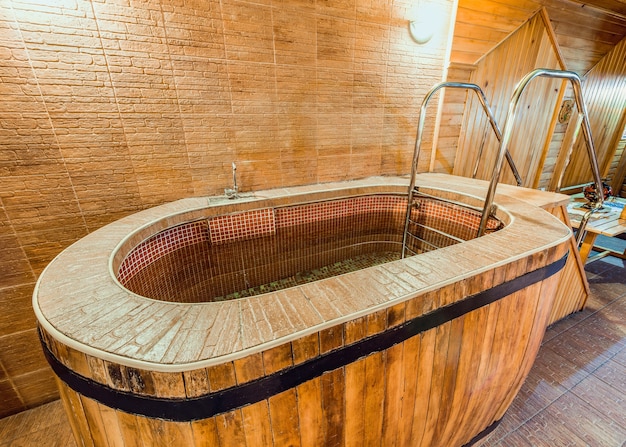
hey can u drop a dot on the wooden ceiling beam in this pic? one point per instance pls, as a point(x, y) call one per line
point(615, 8)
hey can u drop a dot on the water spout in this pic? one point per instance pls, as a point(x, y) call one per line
point(232, 193)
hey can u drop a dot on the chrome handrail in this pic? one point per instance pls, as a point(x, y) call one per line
point(506, 138)
point(418, 141)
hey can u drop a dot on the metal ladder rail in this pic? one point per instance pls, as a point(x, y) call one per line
point(432, 230)
point(418, 142)
point(506, 138)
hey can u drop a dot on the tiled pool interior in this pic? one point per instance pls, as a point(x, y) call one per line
point(253, 252)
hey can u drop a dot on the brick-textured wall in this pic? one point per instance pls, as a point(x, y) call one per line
point(111, 106)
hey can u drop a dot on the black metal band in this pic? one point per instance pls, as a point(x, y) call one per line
point(209, 405)
point(483, 433)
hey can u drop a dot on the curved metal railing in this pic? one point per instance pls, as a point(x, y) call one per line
point(418, 142)
point(506, 138)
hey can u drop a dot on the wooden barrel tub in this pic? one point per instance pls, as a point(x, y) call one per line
point(429, 350)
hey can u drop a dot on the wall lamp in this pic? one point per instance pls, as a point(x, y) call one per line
point(421, 31)
point(426, 19)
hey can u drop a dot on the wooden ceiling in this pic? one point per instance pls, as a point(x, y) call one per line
point(585, 30)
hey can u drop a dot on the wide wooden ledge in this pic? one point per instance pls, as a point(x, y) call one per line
point(78, 301)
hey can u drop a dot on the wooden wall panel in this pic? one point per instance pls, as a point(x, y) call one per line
point(451, 119)
point(560, 146)
point(498, 73)
point(619, 178)
point(615, 173)
point(604, 92)
point(483, 24)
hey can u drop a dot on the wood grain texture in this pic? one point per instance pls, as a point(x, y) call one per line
point(607, 126)
point(438, 388)
point(617, 171)
point(573, 289)
point(554, 406)
point(497, 73)
point(482, 25)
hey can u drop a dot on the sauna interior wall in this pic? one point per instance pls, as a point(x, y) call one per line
point(619, 180)
point(617, 170)
point(530, 47)
point(534, 44)
point(482, 24)
point(442, 159)
point(605, 94)
point(109, 107)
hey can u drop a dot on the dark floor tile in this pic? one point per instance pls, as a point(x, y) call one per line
point(534, 397)
point(603, 291)
point(586, 351)
point(556, 373)
point(530, 400)
point(550, 377)
point(615, 311)
point(617, 272)
point(603, 398)
point(499, 433)
point(620, 357)
point(610, 280)
point(585, 422)
point(556, 329)
point(611, 336)
point(569, 421)
point(613, 261)
point(613, 374)
point(512, 440)
point(542, 431)
point(598, 267)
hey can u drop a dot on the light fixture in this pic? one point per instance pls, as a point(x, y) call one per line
point(425, 19)
point(421, 31)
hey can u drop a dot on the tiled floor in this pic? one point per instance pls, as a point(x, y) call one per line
point(44, 426)
point(575, 394)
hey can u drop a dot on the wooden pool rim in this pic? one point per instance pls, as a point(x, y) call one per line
point(476, 310)
point(229, 399)
point(81, 281)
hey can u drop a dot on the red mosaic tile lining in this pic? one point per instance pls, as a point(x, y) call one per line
point(299, 214)
point(452, 219)
point(160, 245)
point(246, 225)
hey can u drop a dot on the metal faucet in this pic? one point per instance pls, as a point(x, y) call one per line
point(232, 193)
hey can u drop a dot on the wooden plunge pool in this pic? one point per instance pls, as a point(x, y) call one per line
point(428, 350)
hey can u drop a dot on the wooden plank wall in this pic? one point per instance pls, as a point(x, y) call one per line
point(560, 146)
point(530, 47)
point(604, 93)
point(451, 118)
point(617, 167)
point(585, 30)
point(535, 45)
point(619, 178)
